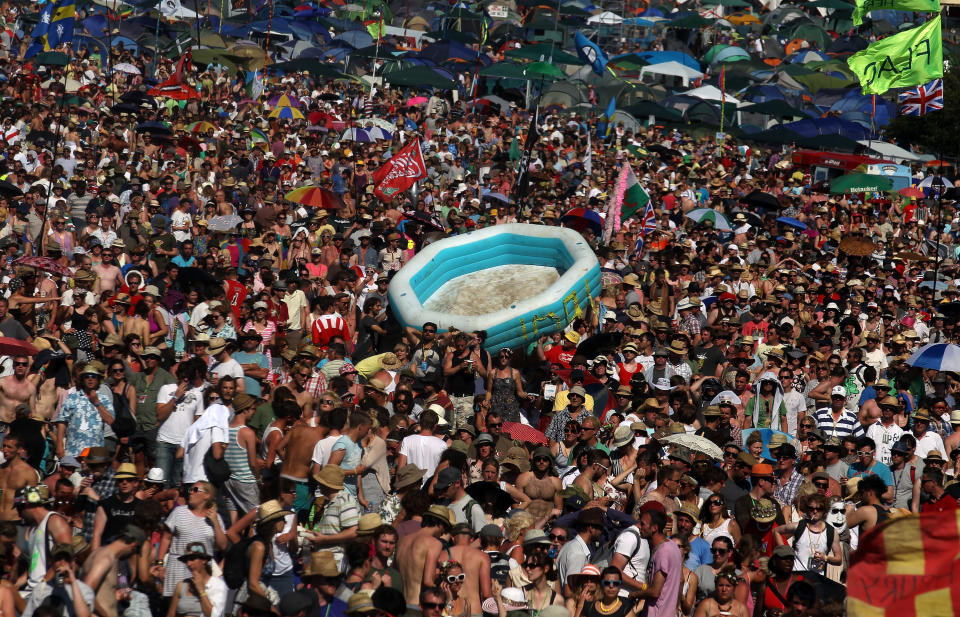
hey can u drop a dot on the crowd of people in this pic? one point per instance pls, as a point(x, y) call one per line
point(207, 407)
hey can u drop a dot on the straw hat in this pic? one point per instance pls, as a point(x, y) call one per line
point(330, 476)
point(389, 361)
point(126, 471)
point(322, 563)
point(368, 524)
point(269, 511)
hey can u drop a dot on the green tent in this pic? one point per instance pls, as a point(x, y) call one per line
point(819, 81)
point(692, 22)
point(543, 52)
point(542, 71)
point(860, 183)
point(420, 77)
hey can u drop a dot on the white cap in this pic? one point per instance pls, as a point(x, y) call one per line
point(733, 247)
point(839, 391)
point(155, 476)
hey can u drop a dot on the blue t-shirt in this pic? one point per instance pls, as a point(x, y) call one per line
point(351, 458)
point(877, 469)
point(869, 393)
point(252, 385)
point(184, 263)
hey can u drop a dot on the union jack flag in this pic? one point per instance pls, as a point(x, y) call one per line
point(923, 99)
point(648, 222)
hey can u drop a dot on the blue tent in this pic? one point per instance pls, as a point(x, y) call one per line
point(355, 38)
point(825, 98)
point(659, 57)
point(445, 51)
point(816, 127)
point(862, 104)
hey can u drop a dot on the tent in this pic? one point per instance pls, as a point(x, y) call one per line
point(674, 69)
point(710, 93)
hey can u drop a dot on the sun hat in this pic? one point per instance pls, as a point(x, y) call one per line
point(407, 475)
point(322, 563)
point(622, 436)
point(368, 523)
point(193, 550)
point(269, 511)
point(330, 476)
point(126, 471)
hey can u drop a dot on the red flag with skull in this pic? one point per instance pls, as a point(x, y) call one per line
point(400, 172)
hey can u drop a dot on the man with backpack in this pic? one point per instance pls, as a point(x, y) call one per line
point(449, 487)
point(631, 554)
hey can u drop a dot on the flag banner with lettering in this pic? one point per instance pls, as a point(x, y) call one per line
point(399, 172)
point(54, 28)
point(865, 6)
point(907, 567)
point(903, 60)
point(174, 87)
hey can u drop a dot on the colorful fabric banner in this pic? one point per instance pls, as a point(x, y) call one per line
point(400, 172)
point(903, 60)
point(865, 6)
point(54, 29)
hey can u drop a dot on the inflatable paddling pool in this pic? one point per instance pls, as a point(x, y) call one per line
point(516, 281)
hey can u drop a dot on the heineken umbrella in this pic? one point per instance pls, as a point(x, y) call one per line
point(52, 58)
point(542, 70)
point(701, 215)
point(860, 183)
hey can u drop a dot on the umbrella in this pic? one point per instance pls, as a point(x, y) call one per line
point(10, 346)
point(490, 493)
point(284, 100)
point(290, 113)
point(126, 67)
point(46, 264)
point(791, 222)
point(860, 183)
point(425, 218)
point(936, 356)
point(497, 197)
point(697, 443)
point(224, 223)
point(858, 247)
point(201, 127)
point(188, 276)
point(417, 100)
point(524, 432)
point(542, 70)
point(759, 199)
point(766, 434)
point(9, 189)
point(355, 134)
point(728, 396)
point(377, 133)
point(708, 214)
point(912, 192)
point(581, 219)
point(155, 128)
point(315, 197)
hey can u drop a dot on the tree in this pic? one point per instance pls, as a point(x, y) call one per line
point(936, 132)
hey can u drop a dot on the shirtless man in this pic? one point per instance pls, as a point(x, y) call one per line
point(300, 374)
point(296, 450)
point(15, 473)
point(476, 565)
point(109, 276)
point(44, 401)
point(419, 553)
point(14, 390)
point(101, 570)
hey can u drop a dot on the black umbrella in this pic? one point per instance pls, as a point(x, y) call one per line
point(8, 189)
point(950, 309)
point(752, 217)
point(664, 150)
point(137, 97)
point(600, 344)
point(760, 199)
point(125, 108)
point(35, 137)
point(490, 494)
point(426, 218)
point(154, 128)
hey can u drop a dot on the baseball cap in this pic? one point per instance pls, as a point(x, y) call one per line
point(838, 391)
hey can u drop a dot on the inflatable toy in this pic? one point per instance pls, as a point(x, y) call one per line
point(516, 281)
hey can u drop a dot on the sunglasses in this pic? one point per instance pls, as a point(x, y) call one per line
point(865, 453)
point(729, 454)
point(612, 583)
point(821, 484)
point(456, 578)
point(197, 489)
point(716, 502)
point(492, 425)
point(557, 538)
point(433, 605)
point(719, 551)
point(21, 364)
point(531, 566)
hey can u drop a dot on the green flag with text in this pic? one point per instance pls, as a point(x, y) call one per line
point(900, 61)
point(865, 6)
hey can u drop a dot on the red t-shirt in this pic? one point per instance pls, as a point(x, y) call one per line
point(236, 294)
point(944, 504)
point(558, 354)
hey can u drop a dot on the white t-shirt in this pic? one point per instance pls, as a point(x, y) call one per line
point(637, 556)
point(423, 451)
point(174, 428)
point(179, 219)
point(193, 455)
point(230, 368)
point(321, 451)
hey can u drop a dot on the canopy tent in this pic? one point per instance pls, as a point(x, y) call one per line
point(711, 93)
point(674, 69)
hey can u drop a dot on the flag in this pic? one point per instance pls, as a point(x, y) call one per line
point(55, 27)
point(907, 568)
point(254, 85)
point(399, 172)
point(865, 6)
point(375, 28)
point(523, 179)
point(588, 160)
point(634, 195)
point(590, 53)
point(922, 100)
point(608, 117)
point(647, 224)
point(174, 87)
point(910, 58)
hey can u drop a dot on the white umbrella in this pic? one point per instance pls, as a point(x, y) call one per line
point(606, 18)
point(126, 67)
point(937, 356)
point(727, 396)
point(697, 443)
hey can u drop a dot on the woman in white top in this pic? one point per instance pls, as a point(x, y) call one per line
point(815, 543)
point(714, 521)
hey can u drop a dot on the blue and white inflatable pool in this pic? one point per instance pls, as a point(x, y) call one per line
point(523, 321)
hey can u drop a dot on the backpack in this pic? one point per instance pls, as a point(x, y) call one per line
point(217, 469)
point(236, 566)
point(124, 424)
point(603, 556)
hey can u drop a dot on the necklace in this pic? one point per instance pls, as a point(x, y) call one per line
point(606, 610)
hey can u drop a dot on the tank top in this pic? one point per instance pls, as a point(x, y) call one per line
point(236, 457)
point(40, 545)
point(807, 544)
point(264, 447)
point(710, 534)
point(188, 604)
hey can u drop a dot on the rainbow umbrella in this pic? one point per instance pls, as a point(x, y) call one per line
point(315, 197)
point(284, 101)
point(201, 127)
point(258, 137)
point(291, 113)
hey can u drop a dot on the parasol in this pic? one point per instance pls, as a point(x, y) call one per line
point(697, 443)
point(10, 346)
point(858, 247)
point(430, 220)
point(227, 222)
point(490, 493)
point(524, 432)
point(315, 197)
point(581, 219)
point(46, 264)
point(936, 356)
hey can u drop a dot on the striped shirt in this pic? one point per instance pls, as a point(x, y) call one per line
point(847, 424)
point(236, 457)
point(341, 513)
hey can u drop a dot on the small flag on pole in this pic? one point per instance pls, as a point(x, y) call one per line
point(922, 100)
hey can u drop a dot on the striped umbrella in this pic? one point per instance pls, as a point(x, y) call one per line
point(290, 113)
point(259, 138)
point(284, 101)
point(358, 135)
point(201, 127)
point(315, 197)
point(707, 214)
point(937, 356)
point(377, 133)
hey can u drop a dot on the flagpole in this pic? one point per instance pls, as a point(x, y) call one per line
point(376, 54)
point(56, 148)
